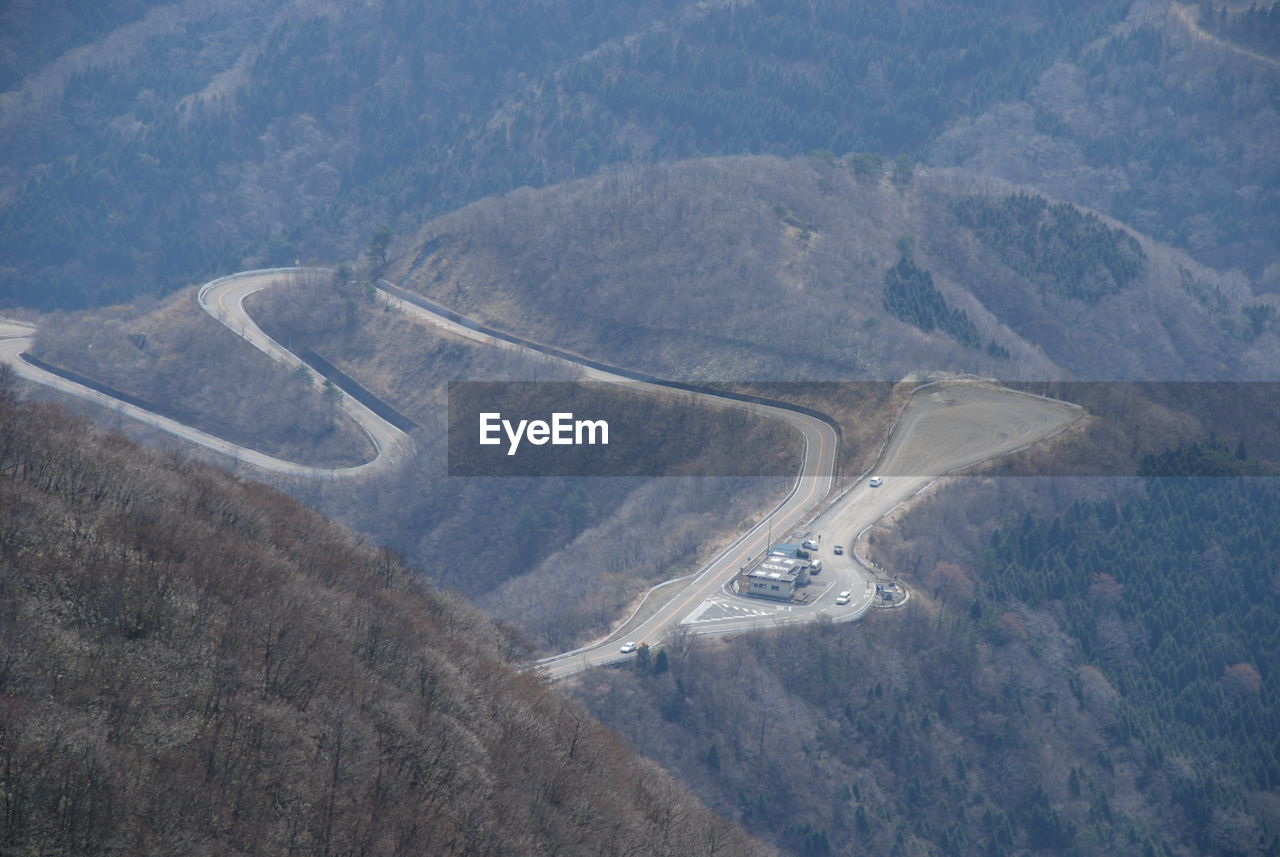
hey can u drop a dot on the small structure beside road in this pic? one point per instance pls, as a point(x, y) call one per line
point(777, 577)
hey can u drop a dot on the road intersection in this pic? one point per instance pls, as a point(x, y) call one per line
point(943, 428)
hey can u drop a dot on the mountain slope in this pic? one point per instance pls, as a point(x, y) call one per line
point(1086, 667)
point(186, 137)
point(181, 141)
point(1167, 132)
point(148, 144)
point(815, 268)
point(190, 664)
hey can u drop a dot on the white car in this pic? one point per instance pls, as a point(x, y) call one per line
point(876, 481)
point(628, 648)
point(843, 598)
point(809, 545)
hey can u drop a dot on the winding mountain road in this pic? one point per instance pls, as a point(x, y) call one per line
point(942, 428)
point(224, 300)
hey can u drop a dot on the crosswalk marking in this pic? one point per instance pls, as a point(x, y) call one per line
point(723, 609)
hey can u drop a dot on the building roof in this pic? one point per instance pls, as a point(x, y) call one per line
point(778, 568)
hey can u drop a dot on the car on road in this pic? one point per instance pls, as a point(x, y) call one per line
point(809, 545)
point(628, 648)
point(876, 481)
point(843, 597)
point(838, 550)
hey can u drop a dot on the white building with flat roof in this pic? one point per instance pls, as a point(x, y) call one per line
point(777, 577)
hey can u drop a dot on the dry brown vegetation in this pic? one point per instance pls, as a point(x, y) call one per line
point(193, 369)
point(558, 558)
point(964, 724)
point(912, 733)
point(761, 268)
point(191, 664)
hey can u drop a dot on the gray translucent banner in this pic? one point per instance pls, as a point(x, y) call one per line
point(658, 428)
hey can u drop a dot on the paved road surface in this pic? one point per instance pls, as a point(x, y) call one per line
point(15, 338)
point(943, 428)
point(812, 486)
point(224, 300)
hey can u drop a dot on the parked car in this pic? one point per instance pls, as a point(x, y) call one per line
point(876, 481)
point(843, 597)
point(628, 648)
point(809, 545)
point(816, 567)
point(838, 550)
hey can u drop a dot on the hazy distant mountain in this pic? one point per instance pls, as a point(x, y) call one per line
point(145, 145)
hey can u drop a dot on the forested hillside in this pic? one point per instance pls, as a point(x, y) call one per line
point(208, 133)
point(558, 558)
point(1257, 27)
point(1055, 247)
point(34, 32)
point(761, 192)
point(1174, 595)
point(1154, 126)
point(910, 296)
point(1101, 679)
point(816, 267)
point(191, 664)
point(197, 138)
